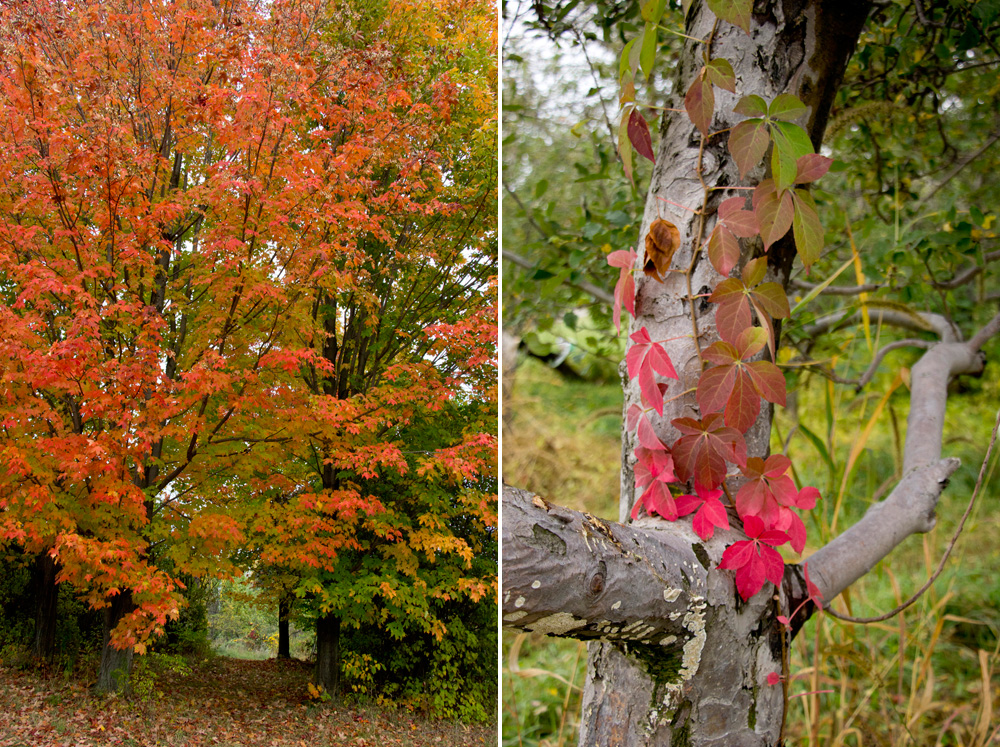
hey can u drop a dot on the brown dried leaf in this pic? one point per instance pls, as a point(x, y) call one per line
point(661, 243)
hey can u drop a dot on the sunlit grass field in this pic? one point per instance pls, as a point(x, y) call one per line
point(930, 676)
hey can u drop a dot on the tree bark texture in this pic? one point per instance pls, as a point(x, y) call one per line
point(116, 664)
point(46, 606)
point(284, 642)
point(328, 653)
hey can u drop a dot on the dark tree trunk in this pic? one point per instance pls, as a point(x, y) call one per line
point(46, 606)
point(328, 653)
point(284, 644)
point(116, 664)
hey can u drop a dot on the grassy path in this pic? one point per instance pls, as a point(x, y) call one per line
point(223, 701)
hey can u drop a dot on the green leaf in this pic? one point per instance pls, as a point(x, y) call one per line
point(625, 147)
point(751, 106)
point(792, 137)
point(623, 63)
point(783, 167)
point(647, 55)
point(652, 10)
point(737, 12)
point(541, 187)
point(807, 229)
point(787, 107)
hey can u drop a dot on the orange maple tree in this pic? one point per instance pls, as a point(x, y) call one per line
point(198, 206)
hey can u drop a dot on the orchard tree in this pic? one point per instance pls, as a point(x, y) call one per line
point(688, 603)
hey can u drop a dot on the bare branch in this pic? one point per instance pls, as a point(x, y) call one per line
point(836, 290)
point(598, 293)
point(967, 275)
point(917, 321)
point(947, 552)
point(910, 507)
point(877, 360)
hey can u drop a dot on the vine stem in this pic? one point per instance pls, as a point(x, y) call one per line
point(696, 245)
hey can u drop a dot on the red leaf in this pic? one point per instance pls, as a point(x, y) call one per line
point(755, 560)
point(705, 447)
point(774, 212)
point(638, 134)
point(700, 103)
point(711, 512)
point(625, 287)
point(654, 470)
point(644, 358)
point(737, 385)
point(723, 249)
point(811, 167)
point(740, 221)
point(774, 678)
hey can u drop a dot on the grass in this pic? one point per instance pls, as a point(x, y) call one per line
point(930, 676)
point(220, 701)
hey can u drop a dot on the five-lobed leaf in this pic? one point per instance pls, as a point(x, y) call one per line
point(755, 560)
point(736, 385)
point(704, 448)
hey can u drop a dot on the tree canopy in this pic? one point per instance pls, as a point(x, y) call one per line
point(246, 248)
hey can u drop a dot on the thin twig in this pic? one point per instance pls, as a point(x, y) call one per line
point(598, 293)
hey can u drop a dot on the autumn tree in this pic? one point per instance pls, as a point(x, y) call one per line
point(181, 184)
point(402, 326)
point(689, 605)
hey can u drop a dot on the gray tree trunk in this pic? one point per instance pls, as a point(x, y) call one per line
point(675, 657)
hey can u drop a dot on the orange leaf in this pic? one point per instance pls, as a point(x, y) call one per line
point(661, 243)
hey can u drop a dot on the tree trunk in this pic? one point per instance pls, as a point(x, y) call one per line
point(284, 645)
point(720, 696)
point(116, 664)
point(328, 653)
point(46, 606)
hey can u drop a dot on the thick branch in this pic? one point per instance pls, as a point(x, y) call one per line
point(570, 573)
point(910, 507)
